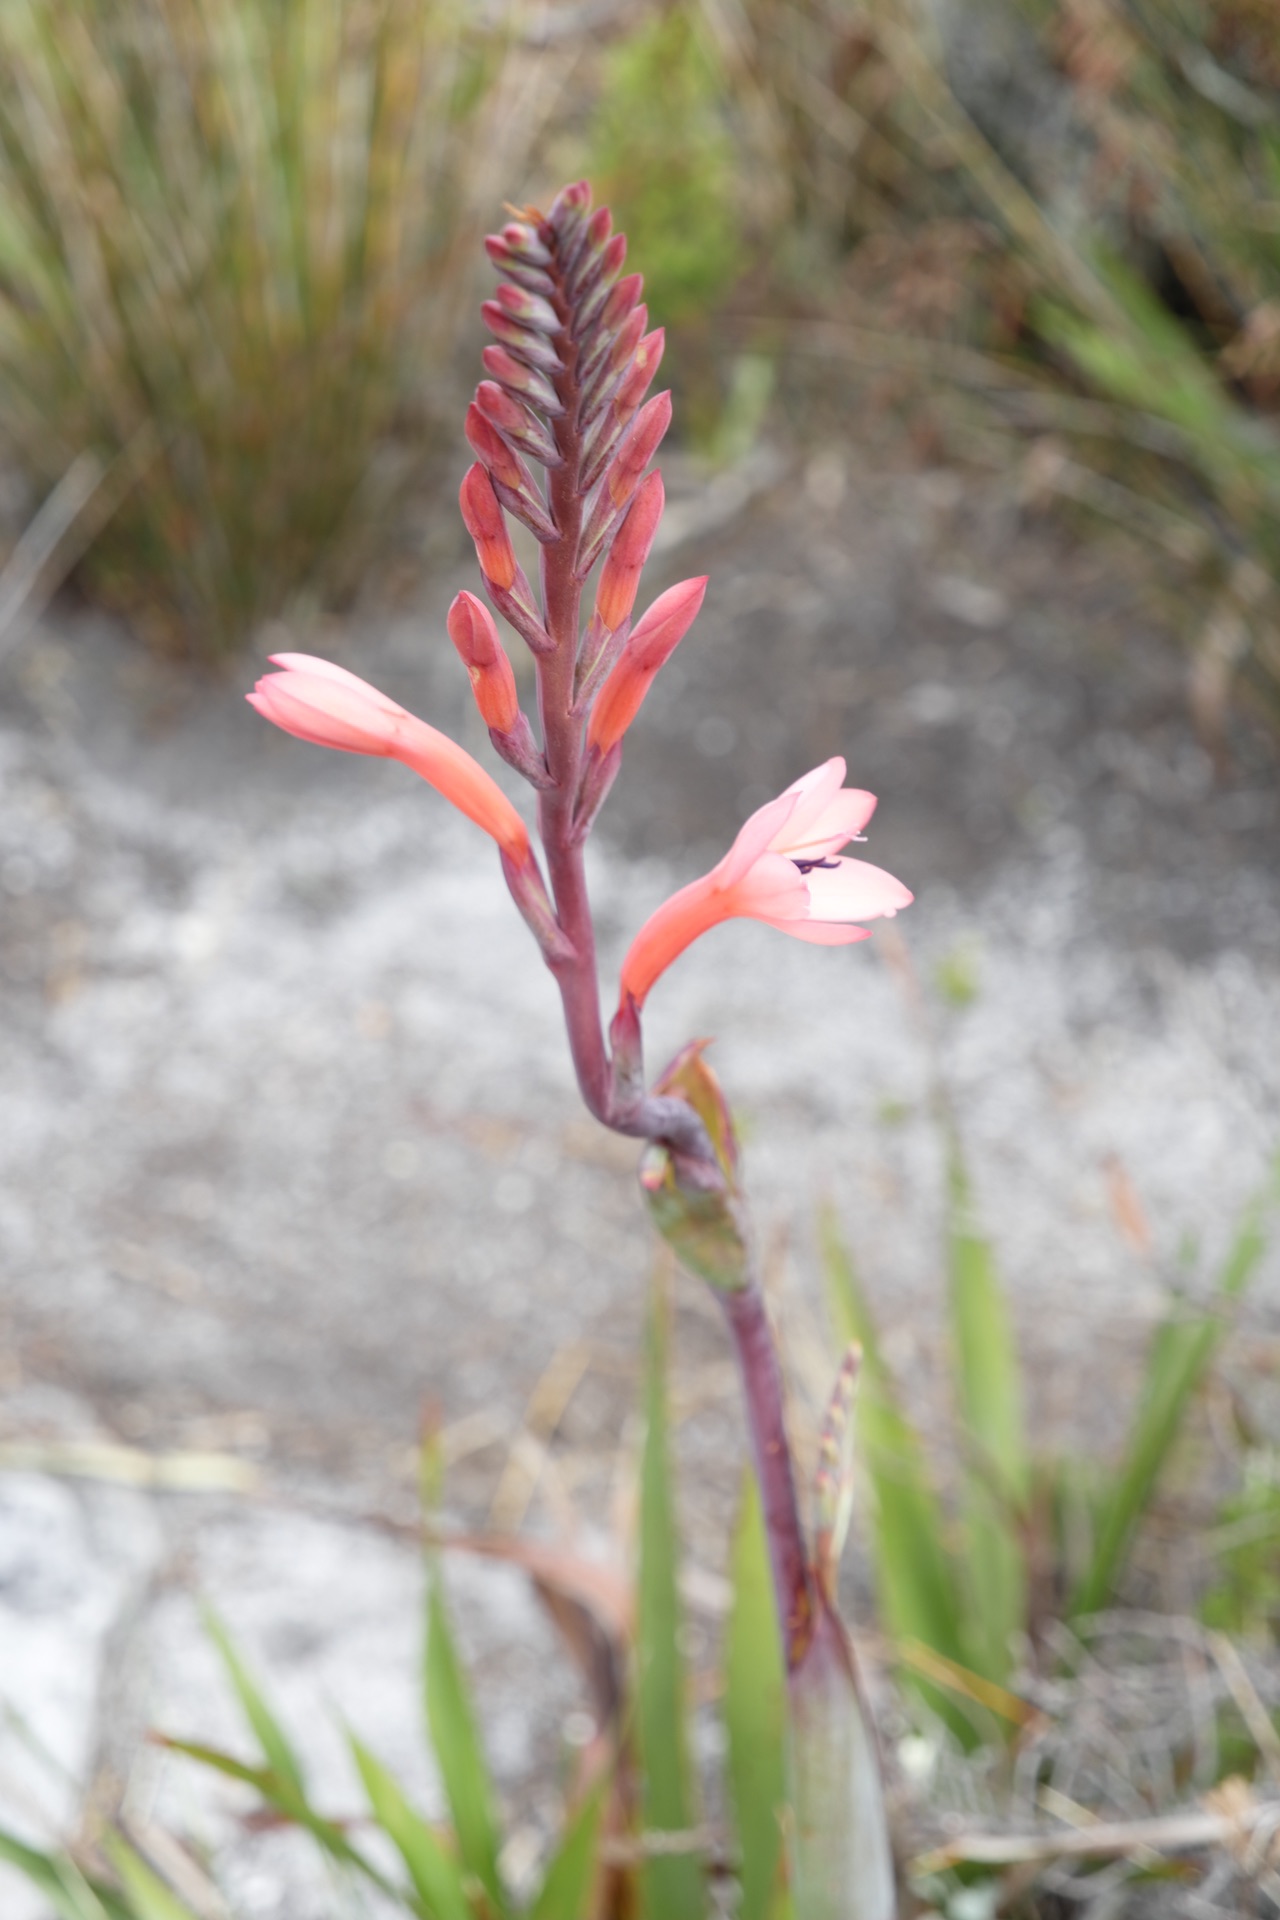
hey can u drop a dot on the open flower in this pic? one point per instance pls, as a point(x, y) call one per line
point(317, 701)
point(784, 868)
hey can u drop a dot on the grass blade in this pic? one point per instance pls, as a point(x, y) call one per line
point(432, 1869)
point(566, 1886)
point(755, 1713)
point(61, 1882)
point(919, 1592)
point(286, 1799)
point(149, 1897)
point(996, 1466)
point(456, 1739)
point(1180, 1356)
point(671, 1887)
point(270, 1735)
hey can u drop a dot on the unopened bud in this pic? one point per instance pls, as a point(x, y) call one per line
point(643, 440)
point(620, 575)
point(620, 302)
point(653, 641)
point(520, 379)
point(514, 420)
point(474, 633)
point(635, 382)
point(529, 309)
point(487, 527)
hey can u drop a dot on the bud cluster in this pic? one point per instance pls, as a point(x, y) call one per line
point(568, 368)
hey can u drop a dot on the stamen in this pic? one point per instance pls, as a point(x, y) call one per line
point(807, 866)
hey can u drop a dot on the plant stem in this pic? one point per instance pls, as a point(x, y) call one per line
point(748, 1318)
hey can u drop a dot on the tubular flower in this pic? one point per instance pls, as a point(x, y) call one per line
point(314, 700)
point(784, 868)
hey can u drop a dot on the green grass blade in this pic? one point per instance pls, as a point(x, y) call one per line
point(432, 1869)
point(1180, 1356)
point(270, 1735)
point(755, 1712)
point(915, 1579)
point(284, 1796)
point(996, 1478)
point(566, 1885)
point(671, 1888)
point(61, 1882)
point(920, 1591)
point(456, 1739)
point(149, 1897)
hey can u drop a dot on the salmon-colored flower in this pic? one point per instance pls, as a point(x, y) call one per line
point(784, 868)
point(317, 701)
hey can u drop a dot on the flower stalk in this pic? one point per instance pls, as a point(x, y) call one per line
point(568, 372)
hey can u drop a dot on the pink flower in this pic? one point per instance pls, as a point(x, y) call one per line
point(317, 701)
point(783, 868)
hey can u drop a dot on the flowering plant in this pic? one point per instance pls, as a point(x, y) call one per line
point(569, 368)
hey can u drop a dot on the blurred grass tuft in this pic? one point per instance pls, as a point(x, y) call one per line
point(235, 239)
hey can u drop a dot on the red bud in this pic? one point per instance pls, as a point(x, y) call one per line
point(474, 633)
point(636, 380)
point(528, 309)
point(621, 301)
point(490, 447)
point(518, 378)
point(643, 440)
point(620, 575)
point(650, 646)
point(485, 524)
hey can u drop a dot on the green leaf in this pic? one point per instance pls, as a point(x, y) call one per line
point(755, 1712)
point(1180, 1356)
point(996, 1476)
point(149, 1897)
point(566, 1885)
point(432, 1868)
point(270, 1735)
point(62, 1883)
point(919, 1591)
point(284, 1796)
point(456, 1739)
point(671, 1888)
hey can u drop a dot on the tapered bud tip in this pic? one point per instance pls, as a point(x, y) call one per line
point(600, 226)
point(473, 631)
point(484, 522)
point(620, 575)
point(614, 255)
point(655, 637)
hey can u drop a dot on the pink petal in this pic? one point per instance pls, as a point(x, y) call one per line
point(772, 889)
point(822, 933)
point(755, 837)
point(317, 709)
point(854, 890)
point(315, 668)
point(841, 820)
point(813, 791)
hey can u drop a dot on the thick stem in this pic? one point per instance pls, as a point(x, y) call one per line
point(748, 1318)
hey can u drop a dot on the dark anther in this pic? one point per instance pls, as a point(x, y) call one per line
point(807, 866)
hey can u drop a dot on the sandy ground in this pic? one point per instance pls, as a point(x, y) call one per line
point(289, 1144)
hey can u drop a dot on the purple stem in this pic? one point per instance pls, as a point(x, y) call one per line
point(748, 1318)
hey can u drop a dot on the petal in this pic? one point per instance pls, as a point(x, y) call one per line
point(854, 890)
point(755, 837)
point(841, 820)
point(821, 933)
point(772, 889)
point(317, 708)
point(315, 668)
point(813, 791)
